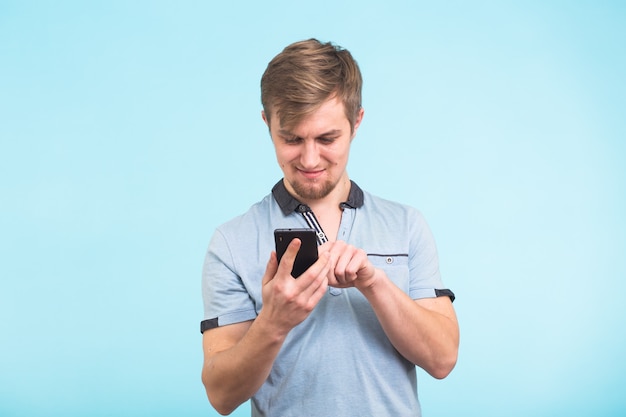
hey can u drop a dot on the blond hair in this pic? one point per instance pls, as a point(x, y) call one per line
point(305, 75)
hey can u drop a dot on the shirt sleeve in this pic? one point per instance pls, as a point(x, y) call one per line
point(226, 300)
point(425, 281)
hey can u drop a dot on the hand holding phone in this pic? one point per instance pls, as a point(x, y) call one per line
point(307, 255)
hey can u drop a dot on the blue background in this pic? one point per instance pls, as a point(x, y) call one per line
point(130, 130)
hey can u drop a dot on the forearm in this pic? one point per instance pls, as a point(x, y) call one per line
point(235, 374)
point(427, 338)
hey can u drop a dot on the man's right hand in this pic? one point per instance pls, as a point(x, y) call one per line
point(239, 357)
point(288, 301)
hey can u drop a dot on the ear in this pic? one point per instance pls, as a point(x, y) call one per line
point(357, 121)
point(265, 118)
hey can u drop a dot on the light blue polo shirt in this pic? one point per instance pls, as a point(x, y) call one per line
point(337, 362)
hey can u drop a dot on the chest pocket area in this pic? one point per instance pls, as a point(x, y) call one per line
point(396, 266)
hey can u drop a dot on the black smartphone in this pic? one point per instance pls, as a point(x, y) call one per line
point(307, 255)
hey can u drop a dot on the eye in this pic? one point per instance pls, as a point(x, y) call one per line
point(292, 140)
point(326, 141)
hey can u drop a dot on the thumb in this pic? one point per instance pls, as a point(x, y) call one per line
point(289, 257)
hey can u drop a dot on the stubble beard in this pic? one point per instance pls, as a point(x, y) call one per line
point(313, 191)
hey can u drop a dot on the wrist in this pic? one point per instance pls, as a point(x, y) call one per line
point(270, 328)
point(370, 285)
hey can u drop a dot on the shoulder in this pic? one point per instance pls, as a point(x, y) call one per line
point(240, 233)
point(390, 210)
point(393, 219)
point(251, 218)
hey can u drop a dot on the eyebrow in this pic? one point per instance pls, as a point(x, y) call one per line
point(332, 132)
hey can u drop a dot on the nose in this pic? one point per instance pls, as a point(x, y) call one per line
point(309, 157)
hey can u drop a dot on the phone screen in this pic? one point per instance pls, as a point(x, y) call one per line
point(307, 255)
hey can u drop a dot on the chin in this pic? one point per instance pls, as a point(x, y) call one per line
point(313, 191)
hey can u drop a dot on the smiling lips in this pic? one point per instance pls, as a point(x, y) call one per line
point(311, 175)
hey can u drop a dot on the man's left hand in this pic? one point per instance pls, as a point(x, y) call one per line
point(350, 266)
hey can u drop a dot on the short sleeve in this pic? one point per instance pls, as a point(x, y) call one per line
point(425, 277)
point(225, 298)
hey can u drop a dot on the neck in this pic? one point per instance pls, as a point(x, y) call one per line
point(327, 210)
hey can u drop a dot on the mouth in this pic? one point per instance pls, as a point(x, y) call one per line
point(311, 174)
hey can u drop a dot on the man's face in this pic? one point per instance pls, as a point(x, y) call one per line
point(313, 155)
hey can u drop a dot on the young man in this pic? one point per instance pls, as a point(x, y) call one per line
point(343, 339)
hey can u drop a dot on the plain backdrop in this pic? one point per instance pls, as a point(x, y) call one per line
point(130, 129)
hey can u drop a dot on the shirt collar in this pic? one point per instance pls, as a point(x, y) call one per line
point(289, 204)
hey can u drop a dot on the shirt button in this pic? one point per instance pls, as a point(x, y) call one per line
point(389, 260)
